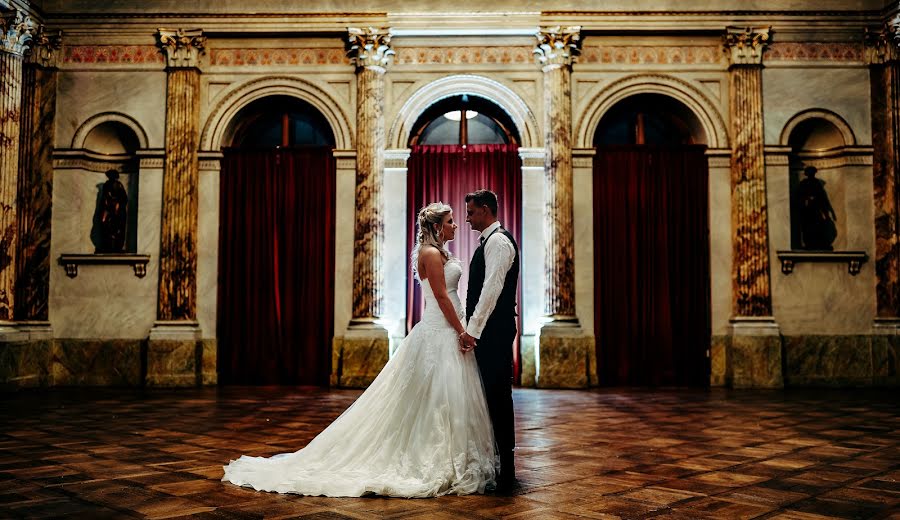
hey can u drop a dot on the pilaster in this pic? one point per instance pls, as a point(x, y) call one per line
point(563, 350)
point(755, 347)
point(175, 352)
point(362, 352)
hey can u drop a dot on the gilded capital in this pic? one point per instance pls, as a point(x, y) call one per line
point(883, 44)
point(558, 46)
point(16, 32)
point(745, 45)
point(182, 47)
point(369, 47)
point(45, 46)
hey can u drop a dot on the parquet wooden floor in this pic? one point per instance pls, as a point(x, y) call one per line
point(663, 454)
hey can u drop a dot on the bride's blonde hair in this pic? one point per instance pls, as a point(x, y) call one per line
point(429, 216)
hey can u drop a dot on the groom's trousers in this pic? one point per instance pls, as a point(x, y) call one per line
point(495, 361)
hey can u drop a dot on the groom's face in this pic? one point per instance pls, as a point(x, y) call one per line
point(475, 215)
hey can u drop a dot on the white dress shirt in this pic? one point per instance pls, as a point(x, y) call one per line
point(499, 255)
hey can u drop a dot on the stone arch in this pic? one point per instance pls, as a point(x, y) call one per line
point(816, 113)
point(710, 119)
point(219, 120)
point(427, 95)
point(93, 122)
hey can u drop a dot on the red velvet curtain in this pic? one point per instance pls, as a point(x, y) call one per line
point(651, 265)
point(447, 173)
point(276, 266)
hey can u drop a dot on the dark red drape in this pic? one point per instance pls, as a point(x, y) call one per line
point(651, 265)
point(447, 173)
point(276, 266)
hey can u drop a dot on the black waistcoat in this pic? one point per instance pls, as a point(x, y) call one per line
point(506, 303)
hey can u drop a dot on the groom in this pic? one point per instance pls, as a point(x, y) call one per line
point(491, 315)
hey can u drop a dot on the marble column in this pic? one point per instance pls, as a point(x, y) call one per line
point(563, 347)
point(363, 351)
point(174, 343)
point(756, 341)
point(35, 181)
point(883, 57)
point(16, 31)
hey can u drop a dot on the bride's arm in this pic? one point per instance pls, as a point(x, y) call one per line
point(431, 259)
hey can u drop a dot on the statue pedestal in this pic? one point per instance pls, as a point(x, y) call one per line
point(358, 357)
point(175, 354)
point(755, 353)
point(565, 357)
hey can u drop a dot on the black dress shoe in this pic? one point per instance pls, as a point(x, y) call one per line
point(506, 486)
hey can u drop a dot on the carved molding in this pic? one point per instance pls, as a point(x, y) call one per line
point(396, 158)
point(690, 94)
point(534, 157)
point(182, 47)
point(91, 161)
point(882, 44)
point(213, 135)
point(745, 45)
point(16, 32)
point(558, 46)
point(45, 49)
point(836, 120)
point(490, 89)
point(370, 47)
point(92, 122)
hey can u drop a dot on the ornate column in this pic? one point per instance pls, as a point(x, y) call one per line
point(563, 350)
point(883, 57)
point(35, 181)
point(16, 31)
point(174, 340)
point(756, 341)
point(361, 354)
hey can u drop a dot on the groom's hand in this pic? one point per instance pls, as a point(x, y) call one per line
point(468, 342)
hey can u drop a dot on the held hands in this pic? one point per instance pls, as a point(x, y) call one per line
point(467, 342)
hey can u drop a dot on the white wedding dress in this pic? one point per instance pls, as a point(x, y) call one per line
point(421, 429)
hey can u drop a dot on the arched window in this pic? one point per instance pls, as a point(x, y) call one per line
point(485, 123)
point(649, 119)
point(281, 121)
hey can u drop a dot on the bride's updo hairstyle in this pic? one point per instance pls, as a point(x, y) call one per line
point(429, 222)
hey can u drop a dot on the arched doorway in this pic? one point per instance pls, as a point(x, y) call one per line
point(276, 246)
point(651, 245)
point(458, 145)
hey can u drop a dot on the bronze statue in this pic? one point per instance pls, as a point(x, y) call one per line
point(817, 229)
point(113, 214)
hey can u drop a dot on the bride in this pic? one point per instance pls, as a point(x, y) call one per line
point(422, 428)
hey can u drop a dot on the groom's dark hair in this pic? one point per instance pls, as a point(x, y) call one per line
point(484, 198)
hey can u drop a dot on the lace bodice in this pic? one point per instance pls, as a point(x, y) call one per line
point(432, 314)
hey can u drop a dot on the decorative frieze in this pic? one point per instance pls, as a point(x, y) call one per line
point(112, 54)
point(369, 47)
point(463, 55)
point(745, 45)
point(651, 55)
point(815, 51)
point(182, 47)
point(286, 57)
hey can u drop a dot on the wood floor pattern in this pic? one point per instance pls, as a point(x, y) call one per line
point(662, 454)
